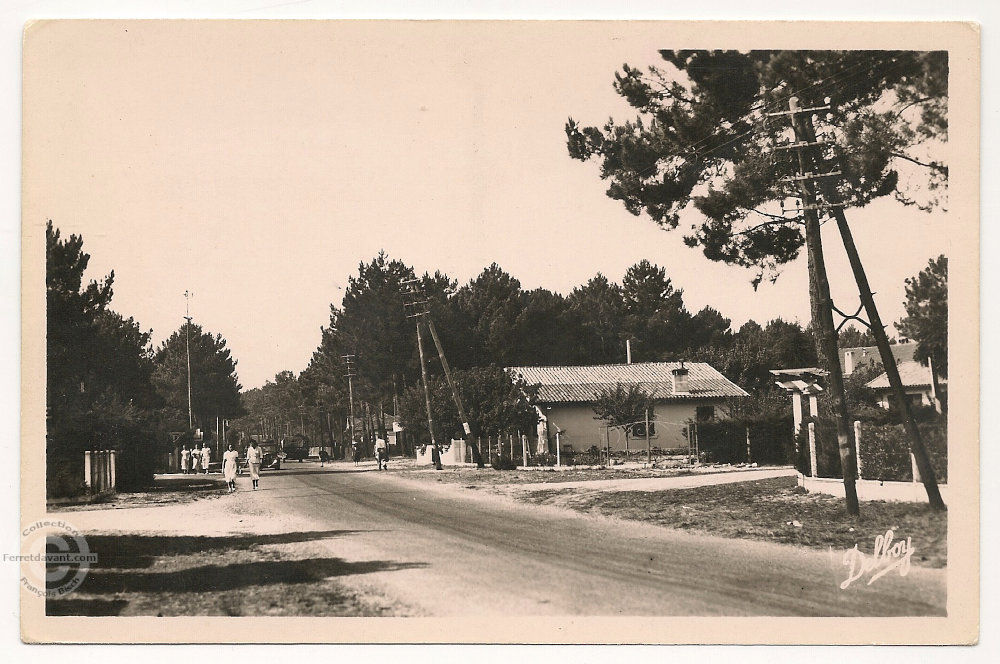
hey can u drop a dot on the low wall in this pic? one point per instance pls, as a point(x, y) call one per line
point(911, 492)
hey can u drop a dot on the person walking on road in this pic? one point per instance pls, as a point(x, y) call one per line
point(206, 457)
point(185, 460)
point(254, 457)
point(229, 464)
point(382, 453)
point(195, 459)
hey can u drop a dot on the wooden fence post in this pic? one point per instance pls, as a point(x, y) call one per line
point(857, 445)
point(87, 479)
point(812, 450)
point(749, 460)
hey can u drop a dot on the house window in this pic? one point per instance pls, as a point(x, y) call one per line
point(704, 413)
point(639, 430)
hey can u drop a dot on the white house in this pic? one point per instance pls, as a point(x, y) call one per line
point(681, 392)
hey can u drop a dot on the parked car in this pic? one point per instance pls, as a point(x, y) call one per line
point(296, 452)
point(270, 460)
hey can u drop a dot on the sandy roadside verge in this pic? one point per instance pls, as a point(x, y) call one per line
point(222, 554)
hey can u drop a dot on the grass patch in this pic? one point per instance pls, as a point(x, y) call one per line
point(485, 477)
point(768, 510)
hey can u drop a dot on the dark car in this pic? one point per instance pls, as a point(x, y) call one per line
point(296, 452)
point(270, 459)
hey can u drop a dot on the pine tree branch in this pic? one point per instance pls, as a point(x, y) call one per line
point(934, 166)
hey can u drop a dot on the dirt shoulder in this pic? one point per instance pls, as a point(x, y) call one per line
point(166, 490)
point(214, 554)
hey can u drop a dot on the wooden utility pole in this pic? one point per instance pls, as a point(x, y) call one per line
point(418, 309)
point(821, 303)
point(454, 391)
point(187, 317)
point(349, 361)
point(881, 339)
point(435, 454)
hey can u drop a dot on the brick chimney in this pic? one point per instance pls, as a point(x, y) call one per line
point(680, 379)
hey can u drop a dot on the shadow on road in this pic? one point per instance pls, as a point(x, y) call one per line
point(140, 551)
point(218, 578)
point(85, 607)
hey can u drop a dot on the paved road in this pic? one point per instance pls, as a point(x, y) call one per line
point(465, 553)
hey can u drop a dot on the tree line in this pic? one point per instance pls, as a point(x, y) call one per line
point(109, 388)
point(489, 323)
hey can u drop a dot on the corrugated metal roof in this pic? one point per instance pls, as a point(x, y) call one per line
point(582, 384)
point(912, 374)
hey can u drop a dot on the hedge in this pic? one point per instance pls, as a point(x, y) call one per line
point(725, 441)
point(884, 449)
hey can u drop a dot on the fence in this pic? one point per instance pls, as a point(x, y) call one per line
point(100, 470)
point(882, 450)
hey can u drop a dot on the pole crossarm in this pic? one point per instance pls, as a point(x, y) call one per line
point(854, 316)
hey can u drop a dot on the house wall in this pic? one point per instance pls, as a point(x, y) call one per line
point(885, 398)
point(580, 430)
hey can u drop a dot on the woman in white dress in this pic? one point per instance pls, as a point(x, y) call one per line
point(206, 458)
point(254, 457)
point(196, 460)
point(229, 463)
point(185, 460)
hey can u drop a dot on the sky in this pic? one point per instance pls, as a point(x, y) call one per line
point(255, 165)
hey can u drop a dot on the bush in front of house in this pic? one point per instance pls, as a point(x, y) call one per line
point(504, 463)
point(884, 449)
point(725, 441)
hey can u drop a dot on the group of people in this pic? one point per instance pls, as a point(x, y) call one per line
point(195, 460)
point(231, 462)
point(381, 453)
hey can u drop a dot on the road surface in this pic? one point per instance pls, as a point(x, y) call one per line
point(458, 552)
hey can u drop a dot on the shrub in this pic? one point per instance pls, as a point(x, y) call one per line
point(543, 459)
point(725, 441)
point(504, 463)
point(885, 451)
point(884, 448)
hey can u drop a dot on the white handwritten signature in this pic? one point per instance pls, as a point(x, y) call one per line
point(885, 557)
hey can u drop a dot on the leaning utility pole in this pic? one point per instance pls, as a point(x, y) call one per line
point(874, 323)
point(187, 317)
point(820, 301)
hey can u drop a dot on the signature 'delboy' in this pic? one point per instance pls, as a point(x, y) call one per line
point(885, 557)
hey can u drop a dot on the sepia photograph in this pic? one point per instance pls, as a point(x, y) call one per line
point(500, 331)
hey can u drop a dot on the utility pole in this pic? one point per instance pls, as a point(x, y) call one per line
point(418, 309)
point(820, 301)
point(454, 393)
point(187, 317)
point(874, 323)
point(349, 361)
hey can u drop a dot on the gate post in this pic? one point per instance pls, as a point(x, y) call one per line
point(812, 450)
